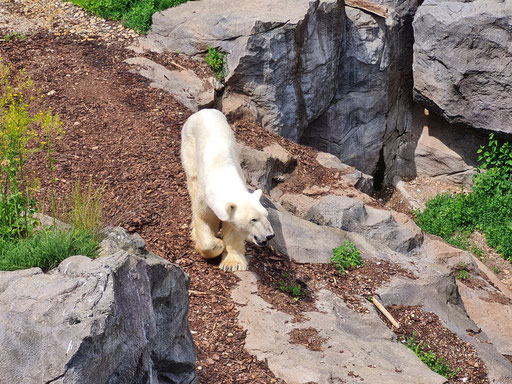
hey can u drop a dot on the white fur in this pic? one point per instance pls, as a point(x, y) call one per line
point(218, 192)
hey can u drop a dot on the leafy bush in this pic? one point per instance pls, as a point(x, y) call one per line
point(135, 14)
point(346, 256)
point(487, 208)
point(436, 364)
point(216, 61)
point(46, 249)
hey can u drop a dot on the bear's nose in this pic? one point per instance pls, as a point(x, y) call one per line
point(270, 237)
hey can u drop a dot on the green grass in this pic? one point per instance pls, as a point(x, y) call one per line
point(487, 208)
point(135, 14)
point(436, 364)
point(346, 256)
point(46, 249)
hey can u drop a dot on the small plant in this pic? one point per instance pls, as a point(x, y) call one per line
point(86, 208)
point(295, 290)
point(216, 60)
point(346, 256)
point(496, 269)
point(436, 364)
point(463, 273)
point(477, 251)
point(14, 36)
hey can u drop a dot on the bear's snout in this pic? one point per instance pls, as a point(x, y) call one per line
point(270, 237)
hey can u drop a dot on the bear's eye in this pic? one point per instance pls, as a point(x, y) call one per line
point(254, 220)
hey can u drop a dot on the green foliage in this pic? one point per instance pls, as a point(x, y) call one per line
point(487, 208)
point(45, 249)
point(463, 272)
point(135, 14)
point(346, 256)
point(22, 133)
point(216, 60)
point(436, 364)
point(295, 290)
point(478, 252)
point(496, 269)
point(14, 36)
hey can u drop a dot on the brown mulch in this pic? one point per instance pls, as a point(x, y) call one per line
point(428, 330)
point(308, 337)
point(125, 137)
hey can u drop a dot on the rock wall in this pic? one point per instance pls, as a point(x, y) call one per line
point(373, 98)
point(463, 62)
point(121, 318)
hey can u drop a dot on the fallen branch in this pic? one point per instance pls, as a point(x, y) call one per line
point(177, 65)
point(385, 312)
point(368, 6)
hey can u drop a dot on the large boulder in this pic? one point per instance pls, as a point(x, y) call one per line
point(121, 318)
point(283, 55)
point(463, 61)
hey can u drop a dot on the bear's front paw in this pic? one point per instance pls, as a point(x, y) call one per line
point(233, 263)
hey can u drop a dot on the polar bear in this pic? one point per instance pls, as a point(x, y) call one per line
point(218, 192)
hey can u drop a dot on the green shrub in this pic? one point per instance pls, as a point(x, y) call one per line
point(436, 364)
point(216, 61)
point(135, 14)
point(45, 249)
point(346, 256)
point(487, 208)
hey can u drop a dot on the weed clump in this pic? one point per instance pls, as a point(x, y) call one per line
point(346, 256)
point(436, 364)
point(217, 62)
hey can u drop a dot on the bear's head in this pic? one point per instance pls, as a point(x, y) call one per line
point(249, 216)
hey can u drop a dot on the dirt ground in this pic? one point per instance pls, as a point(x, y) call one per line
point(125, 137)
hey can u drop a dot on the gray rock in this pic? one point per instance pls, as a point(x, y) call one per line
point(371, 108)
point(121, 318)
point(284, 55)
point(352, 215)
point(193, 92)
point(356, 344)
point(257, 166)
point(301, 240)
point(462, 62)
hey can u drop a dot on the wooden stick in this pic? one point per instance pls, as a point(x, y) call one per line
point(368, 6)
point(385, 312)
point(177, 65)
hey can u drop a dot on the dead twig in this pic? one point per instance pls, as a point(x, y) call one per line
point(385, 312)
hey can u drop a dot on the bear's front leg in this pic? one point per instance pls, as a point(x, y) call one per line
point(207, 245)
point(233, 258)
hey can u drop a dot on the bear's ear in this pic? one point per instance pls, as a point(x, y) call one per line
point(230, 210)
point(257, 194)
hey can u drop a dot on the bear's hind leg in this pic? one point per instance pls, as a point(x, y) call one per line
point(233, 258)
